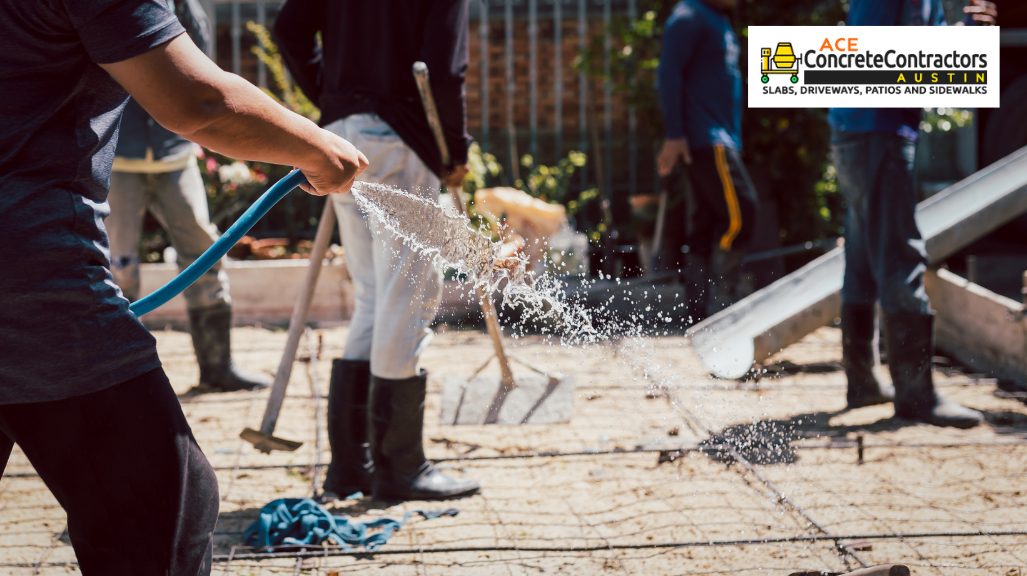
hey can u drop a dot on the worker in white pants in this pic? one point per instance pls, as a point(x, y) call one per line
point(354, 59)
point(397, 296)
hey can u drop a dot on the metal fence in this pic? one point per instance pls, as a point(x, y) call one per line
point(524, 93)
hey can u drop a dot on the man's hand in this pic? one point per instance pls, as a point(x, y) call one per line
point(982, 12)
point(673, 151)
point(335, 169)
point(454, 177)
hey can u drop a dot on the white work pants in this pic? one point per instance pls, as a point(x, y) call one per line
point(397, 289)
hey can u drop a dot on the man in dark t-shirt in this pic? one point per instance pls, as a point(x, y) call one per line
point(81, 387)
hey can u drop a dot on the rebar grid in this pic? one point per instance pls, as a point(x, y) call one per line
point(592, 496)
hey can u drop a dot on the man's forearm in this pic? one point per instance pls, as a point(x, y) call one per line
point(248, 125)
point(188, 94)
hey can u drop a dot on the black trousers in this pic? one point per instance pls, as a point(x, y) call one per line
point(140, 496)
point(726, 201)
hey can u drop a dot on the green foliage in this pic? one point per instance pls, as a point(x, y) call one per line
point(553, 183)
point(285, 90)
point(549, 183)
point(790, 148)
point(634, 50)
point(483, 170)
point(945, 119)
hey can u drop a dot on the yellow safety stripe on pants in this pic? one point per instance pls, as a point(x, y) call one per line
point(730, 197)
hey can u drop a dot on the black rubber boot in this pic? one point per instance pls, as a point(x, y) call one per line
point(401, 470)
point(910, 345)
point(858, 358)
point(351, 467)
point(211, 332)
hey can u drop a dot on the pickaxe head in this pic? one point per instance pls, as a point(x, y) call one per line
point(266, 443)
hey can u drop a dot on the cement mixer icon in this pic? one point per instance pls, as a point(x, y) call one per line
point(783, 62)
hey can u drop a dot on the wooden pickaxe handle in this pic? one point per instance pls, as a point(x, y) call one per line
point(298, 321)
point(883, 570)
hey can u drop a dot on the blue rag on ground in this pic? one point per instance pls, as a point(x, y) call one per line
point(304, 522)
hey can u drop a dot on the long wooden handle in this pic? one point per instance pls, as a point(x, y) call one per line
point(424, 88)
point(883, 570)
point(298, 321)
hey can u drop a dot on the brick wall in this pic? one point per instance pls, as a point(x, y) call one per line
point(549, 133)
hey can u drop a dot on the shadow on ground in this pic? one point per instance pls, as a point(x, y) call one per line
point(771, 441)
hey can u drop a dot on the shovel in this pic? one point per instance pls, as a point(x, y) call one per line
point(481, 401)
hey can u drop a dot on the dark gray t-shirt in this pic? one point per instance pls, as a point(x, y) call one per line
point(65, 328)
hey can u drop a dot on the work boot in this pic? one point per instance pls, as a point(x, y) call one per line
point(697, 287)
point(858, 358)
point(727, 280)
point(211, 331)
point(401, 471)
point(351, 467)
point(910, 345)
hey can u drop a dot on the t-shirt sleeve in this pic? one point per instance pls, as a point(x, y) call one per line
point(681, 37)
point(116, 30)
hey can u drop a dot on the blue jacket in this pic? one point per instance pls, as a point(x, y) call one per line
point(903, 121)
point(699, 81)
point(139, 132)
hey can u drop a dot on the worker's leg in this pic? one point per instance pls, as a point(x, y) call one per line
point(140, 496)
point(357, 241)
point(351, 466)
point(893, 242)
point(128, 198)
point(727, 204)
point(852, 155)
point(899, 260)
point(180, 205)
point(409, 286)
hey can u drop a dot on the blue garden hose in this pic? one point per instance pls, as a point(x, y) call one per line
point(221, 247)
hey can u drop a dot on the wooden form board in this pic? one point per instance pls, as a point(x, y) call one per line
point(731, 341)
point(977, 327)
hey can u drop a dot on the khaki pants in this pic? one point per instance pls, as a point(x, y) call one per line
point(397, 289)
point(179, 202)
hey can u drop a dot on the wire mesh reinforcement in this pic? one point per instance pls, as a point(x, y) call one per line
point(627, 487)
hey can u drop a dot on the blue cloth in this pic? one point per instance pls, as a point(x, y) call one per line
point(885, 256)
point(699, 82)
point(303, 522)
point(902, 121)
point(65, 328)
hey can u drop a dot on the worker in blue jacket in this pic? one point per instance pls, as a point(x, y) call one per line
point(885, 260)
point(700, 88)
